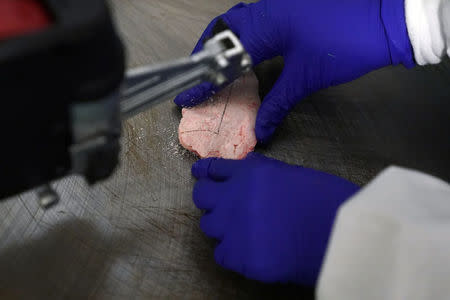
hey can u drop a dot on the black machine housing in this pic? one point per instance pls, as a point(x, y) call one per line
point(59, 89)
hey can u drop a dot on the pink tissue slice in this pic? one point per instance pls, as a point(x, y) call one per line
point(223, 126)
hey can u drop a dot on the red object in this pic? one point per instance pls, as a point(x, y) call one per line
point(22, 16)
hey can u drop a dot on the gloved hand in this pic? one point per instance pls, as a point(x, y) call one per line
point(323, 42)
point(272, 219)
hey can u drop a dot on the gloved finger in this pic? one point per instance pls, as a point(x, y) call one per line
point(235, 255)
point(218, 169)
point(207, 34)
point(200, 167)
point(222, 169)
point(286, 92)
point(256, 157)
point(205, 90)
point(219, 254)
point(249, 22)
point(230, 256)
point(206, 193)
point(195, 95)
point(215, 26)
point(212, 225)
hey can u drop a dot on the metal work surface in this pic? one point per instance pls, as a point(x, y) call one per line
point(137, 236)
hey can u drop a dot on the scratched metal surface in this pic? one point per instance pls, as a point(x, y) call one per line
point(136, 235)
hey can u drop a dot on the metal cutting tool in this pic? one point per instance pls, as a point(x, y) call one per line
point(66, 90)
point(222, 59)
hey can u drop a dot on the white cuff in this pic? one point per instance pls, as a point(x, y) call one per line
point(428, 23)
point(391, 241)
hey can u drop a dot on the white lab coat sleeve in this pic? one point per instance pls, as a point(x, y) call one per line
point(428, 23)
point(390, 241)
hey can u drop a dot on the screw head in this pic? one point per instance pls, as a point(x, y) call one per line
point(220, 79)
point(47, 197)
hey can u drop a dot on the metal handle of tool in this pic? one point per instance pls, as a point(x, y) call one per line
point(222, 59)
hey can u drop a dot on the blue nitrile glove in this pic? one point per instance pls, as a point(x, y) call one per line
point(323, 42)
point(272, 219)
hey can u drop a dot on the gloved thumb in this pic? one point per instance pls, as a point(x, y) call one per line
point(258, 36)
point(282, 98)
point(195, 95)
point(205, 90)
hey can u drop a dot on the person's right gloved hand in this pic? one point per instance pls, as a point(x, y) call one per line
point(272, 220)
point(323, 43)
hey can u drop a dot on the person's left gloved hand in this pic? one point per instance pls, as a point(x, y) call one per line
point(272, 219)
point(323, 43)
